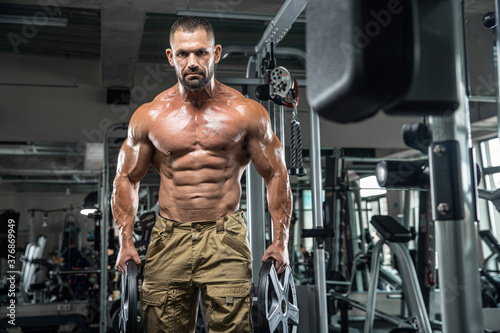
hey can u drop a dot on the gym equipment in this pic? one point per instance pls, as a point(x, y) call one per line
point(417, 136)
point(394, 234)
point(143, 228)
point(383, 55)
point(49, 316)
point(296, 159)
point(282, 89)
point(28, 270)
point(493, 197)
point(490, 20)
point(403, 174)
point(276, 307)
point(490, 284)
point(60, 310)
point(129, 317)
point(277, 301)
point(441, 97)
point(371, 63)
point(493, 244)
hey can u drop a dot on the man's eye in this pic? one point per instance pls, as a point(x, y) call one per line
point(181, 54)
point(202, 53)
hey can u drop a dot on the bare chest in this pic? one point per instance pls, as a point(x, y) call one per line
point(182, 132)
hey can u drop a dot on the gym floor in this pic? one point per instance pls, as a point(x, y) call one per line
point(358, 326)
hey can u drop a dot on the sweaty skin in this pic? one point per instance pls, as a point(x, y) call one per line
point(200, 135)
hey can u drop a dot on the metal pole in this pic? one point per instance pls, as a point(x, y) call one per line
point(497, 62)
point(282, 127)
point(256, 213)
point(407, 218)
point(456, 239)
point(104, 230)
point(32, 230)
point(256, 217)
point(411, 288)
point(372, 288)
point(316, 189)
point(337, 211)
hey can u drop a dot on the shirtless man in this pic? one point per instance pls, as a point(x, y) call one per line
point(200, 136)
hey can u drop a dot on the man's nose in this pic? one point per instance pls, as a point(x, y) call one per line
point(192, 61)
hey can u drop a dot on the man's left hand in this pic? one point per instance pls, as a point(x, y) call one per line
point(279, 253)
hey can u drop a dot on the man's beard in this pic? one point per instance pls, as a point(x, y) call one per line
point(197, 83)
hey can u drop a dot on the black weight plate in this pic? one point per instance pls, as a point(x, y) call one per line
point(128, 316)
point(277, 300)
point(115, 307)
point(142, 249)
point(147, 220)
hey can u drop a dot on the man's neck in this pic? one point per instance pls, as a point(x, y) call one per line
point(198, 97)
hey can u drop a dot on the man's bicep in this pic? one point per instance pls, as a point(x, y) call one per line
point(134, 158)
point(266, 155)
point(264, 147)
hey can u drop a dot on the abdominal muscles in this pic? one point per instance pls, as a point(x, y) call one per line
point(200, 185)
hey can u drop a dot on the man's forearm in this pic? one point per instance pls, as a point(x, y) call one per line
point(124, 203)
point(279, 198)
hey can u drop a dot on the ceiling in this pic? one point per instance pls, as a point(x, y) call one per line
point(119, 35)
point(123, 36)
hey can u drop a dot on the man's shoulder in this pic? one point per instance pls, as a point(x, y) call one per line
point(243, 103)
point(148, 111)
point(167, 95)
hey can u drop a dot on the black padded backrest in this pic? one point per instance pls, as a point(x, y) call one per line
point(390, 229)
point(359, 56)
point(490, 240)
point(367, 55)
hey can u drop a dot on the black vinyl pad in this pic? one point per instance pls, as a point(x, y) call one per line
point(391, 229)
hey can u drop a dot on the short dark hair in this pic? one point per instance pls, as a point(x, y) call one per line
point(190, 24)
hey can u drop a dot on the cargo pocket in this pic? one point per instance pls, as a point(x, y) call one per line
point(154, 247)
point(158, 308)
point(237, 245)
point(229, 307)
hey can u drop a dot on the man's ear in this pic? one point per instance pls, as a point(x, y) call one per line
point(217, 52)
point(170, 56)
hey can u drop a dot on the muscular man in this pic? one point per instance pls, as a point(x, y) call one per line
point(199, 135)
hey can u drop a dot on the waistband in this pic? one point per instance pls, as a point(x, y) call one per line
point(198, 225)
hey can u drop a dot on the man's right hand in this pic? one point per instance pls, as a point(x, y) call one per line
point(127, 252)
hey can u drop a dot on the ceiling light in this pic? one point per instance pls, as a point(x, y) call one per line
point(230, 15)
point(90, 205)
point(46, 21)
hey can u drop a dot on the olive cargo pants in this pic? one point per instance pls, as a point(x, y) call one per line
point(185, 258)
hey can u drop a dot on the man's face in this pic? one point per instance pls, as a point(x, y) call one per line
point(193, 55)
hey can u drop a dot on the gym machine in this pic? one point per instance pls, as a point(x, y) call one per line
point(395, 235)
point(385, 71)
point(46, 305)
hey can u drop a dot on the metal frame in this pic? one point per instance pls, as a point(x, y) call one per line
point(275, 32)
point(105, 206)
point(457, 238)
point(319, 252)
point(411, 288)
point(497, 72)
point(281, 24)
